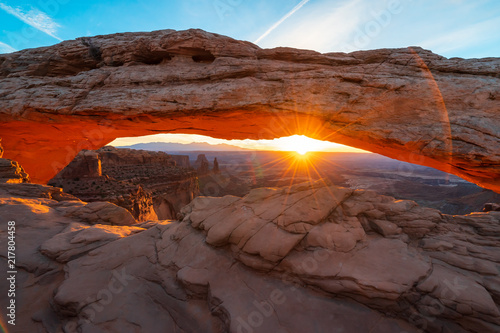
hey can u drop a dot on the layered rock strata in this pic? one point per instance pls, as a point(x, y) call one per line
point(12, 172)
point(201, 165)
point(148, 184)
point(409, 103)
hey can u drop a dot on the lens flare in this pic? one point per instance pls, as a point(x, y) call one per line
point(301, 144)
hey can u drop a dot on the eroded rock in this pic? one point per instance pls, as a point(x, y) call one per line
point(11, 172)
point(201, 165)
point(409, 103)
point(148, 184)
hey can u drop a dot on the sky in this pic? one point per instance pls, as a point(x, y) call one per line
point(452, 28)
point(298, 143)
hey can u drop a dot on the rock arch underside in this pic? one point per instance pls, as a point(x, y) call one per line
point(312, 257)
point(409, 104)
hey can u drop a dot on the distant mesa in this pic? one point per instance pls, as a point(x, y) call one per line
point(177, 147)
point(151, 185)
point(202, 165)
point(181, 161)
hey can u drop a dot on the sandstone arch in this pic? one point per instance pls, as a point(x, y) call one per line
point(409, 104)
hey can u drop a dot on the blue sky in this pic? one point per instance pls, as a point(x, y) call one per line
point(453, 28)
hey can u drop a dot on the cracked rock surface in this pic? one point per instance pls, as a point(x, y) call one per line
point(359, 262)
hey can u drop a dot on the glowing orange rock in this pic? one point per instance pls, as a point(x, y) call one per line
point(409, 104)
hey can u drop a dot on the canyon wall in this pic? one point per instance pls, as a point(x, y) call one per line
point(409, 104)
point(181, 160)
point(148, 184)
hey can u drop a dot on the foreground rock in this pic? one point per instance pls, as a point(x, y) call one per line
point(12, 172)
point(491, 207)
point(76, 95)
point(148, 184)
point(276, 260)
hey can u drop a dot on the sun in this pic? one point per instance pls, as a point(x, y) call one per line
point(300, 144)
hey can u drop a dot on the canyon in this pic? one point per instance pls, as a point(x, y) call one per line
point(150, 185)
point(239, 172)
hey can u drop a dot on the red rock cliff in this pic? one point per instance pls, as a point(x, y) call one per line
point(409, 104)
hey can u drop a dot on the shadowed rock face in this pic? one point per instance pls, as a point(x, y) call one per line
point(408, 104)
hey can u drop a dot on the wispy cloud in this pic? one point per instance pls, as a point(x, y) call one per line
point(350, 25)
point(322, 26)
point(6, 48)
point(281, 20)
point(35, 18)
point(468, 37)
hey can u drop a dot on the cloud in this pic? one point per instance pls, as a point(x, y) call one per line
point(323, 26)
point(6, 48)
point(35, 18)
point(468, 37)
point(351, 25)
point(281, 20)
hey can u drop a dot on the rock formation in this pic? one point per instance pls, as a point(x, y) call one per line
point(330, 256)
point(86, 164)
point(124, 159)
point(181, 161)
point(491, 207)
point(12, 172)
point(148, 184)
point(201, 165)
point(216, 166)
point(409, 104)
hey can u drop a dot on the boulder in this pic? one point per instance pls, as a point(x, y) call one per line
point(98, 213)
point(488, 207)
